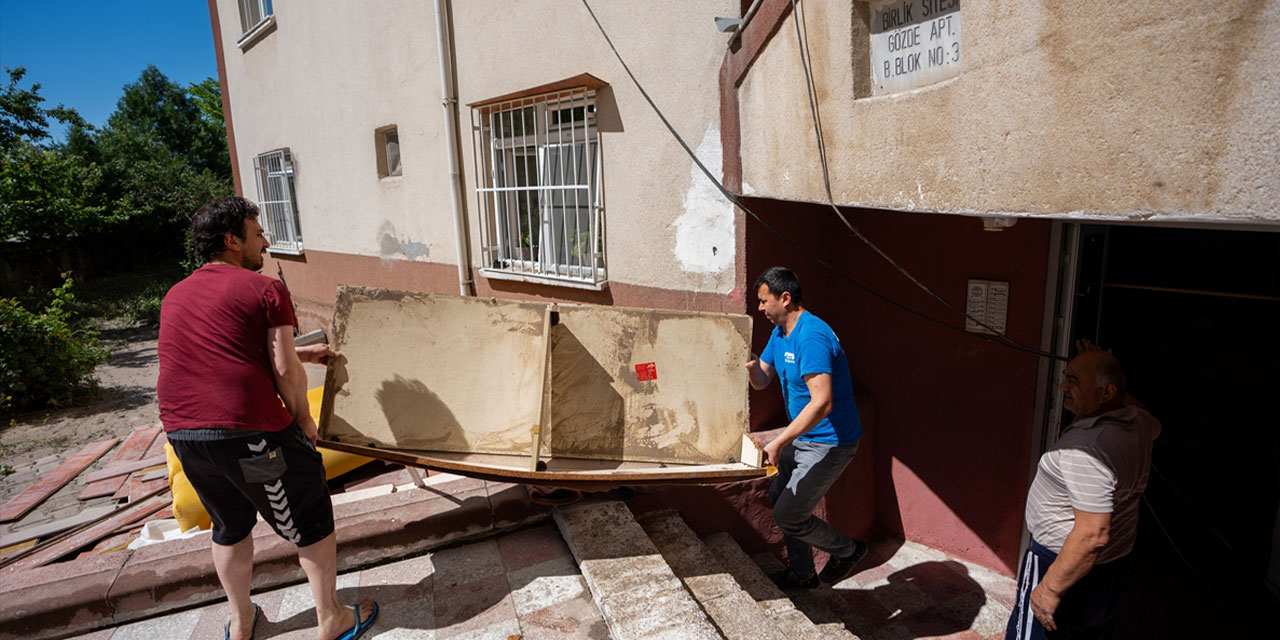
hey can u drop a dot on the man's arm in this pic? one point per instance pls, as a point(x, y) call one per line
point(819, 407)
point(759, 373)
point(1079, 553)
point(318, 353)
point(291, 378)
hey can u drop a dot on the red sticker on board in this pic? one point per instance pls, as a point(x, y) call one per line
point(647, 371)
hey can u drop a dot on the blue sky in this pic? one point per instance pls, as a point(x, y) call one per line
point(83, 52)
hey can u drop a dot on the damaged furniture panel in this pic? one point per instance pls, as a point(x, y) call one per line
point(574, 395)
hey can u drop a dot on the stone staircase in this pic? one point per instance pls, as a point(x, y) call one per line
point(654, 578)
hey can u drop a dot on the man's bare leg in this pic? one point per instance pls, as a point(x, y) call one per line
point(234, 564)
point(320, 563)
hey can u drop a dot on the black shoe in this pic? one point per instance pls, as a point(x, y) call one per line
point(838, 569)
point(787, 580)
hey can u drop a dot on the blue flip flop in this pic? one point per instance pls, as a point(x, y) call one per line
point(257, 613)
point(361, 626)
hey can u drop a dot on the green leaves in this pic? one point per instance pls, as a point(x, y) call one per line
point(46, 362)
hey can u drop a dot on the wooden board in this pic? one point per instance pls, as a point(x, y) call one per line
point(592, 475)
point(57, 526)
point(692, 408)
point(133, 448)
point(125, 468)
point(73, 541)
point(423, 371)
point(443, 377)
point(49, 484)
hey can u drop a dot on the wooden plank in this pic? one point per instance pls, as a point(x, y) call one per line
point(57, 526)
point(595, 476)
point(133, 448)
point(124, 469)
point(71, 542)
point(157, 446)
point(46, 486)
point(139, 486)
point(15, 548)
point(544, 408)
point(123, 492)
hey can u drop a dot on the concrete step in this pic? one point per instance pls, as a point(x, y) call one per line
point(730, 608)
point(634, 587)
point(793, 622)
point(828, 611)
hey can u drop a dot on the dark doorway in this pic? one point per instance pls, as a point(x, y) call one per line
point(1195, 317)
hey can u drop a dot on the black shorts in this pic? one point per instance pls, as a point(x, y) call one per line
point(277, 474)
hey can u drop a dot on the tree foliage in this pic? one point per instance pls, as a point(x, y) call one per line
point(161, 154)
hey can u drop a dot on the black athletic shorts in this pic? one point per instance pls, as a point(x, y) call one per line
point(277, 474)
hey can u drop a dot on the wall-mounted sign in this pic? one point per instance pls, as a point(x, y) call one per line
point(914, 43)
point(986, 302)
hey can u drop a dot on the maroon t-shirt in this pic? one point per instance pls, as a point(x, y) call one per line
point(215, 369)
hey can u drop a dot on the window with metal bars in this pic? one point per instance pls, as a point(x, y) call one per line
point(253, 13)
point(278, 201)
point(538, 188)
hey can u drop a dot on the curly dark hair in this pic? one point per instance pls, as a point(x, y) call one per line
point(216, 218)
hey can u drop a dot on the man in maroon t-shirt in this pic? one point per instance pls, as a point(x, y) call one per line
point(227, 360)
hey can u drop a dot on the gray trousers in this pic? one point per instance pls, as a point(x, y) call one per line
point(805, 471)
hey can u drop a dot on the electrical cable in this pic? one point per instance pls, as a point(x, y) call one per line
point(1190, 567)
point(1192, 509)
point(816, 114)
point(733, 198)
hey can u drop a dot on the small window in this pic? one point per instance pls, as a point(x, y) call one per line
point(387, 140)
point(278, 201)
point(257, 19)
point(253, 13)
point(538, 186)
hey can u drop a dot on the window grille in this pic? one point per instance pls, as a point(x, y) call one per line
point(252, 13)
point(538, 188)
point(278, 201)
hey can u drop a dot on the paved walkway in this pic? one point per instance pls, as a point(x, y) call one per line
point(521, 584)
point(526, 585)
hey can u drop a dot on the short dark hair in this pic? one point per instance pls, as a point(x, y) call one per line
point(216, 218)
point(780, 279)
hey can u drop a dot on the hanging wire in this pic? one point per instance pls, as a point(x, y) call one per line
point(733, 198)
point(816, 114)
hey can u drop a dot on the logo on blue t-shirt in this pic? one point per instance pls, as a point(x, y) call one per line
point(789, 358)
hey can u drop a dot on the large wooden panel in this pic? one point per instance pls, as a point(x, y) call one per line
point(648, 385)
point(434, 372)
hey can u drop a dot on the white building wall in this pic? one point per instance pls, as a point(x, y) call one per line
point(332, 72)
point(1120, 110)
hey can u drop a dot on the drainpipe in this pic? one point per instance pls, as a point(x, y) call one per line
point(449, 100)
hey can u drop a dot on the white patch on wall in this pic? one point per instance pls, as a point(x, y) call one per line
point(704, 232)
point(392, 247)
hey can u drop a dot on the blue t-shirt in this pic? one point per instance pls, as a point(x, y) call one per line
point(813, 348)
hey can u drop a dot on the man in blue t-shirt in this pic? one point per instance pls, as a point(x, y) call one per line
point(822, 437)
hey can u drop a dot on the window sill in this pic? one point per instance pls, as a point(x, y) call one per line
point(555, 281)
point(288, 251)
point(253, 35)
